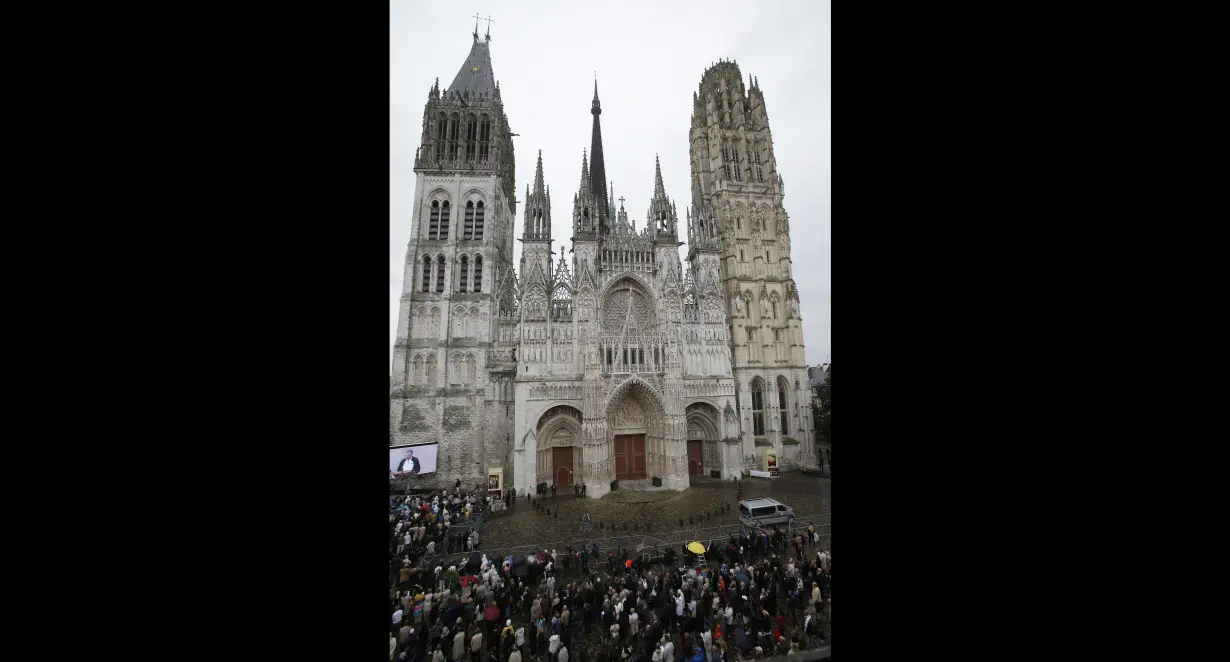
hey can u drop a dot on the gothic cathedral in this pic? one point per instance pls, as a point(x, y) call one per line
point(616, 365)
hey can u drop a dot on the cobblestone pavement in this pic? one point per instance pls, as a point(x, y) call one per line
point(523, 525)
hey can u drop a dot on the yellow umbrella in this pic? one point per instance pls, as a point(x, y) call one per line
point(696, 548)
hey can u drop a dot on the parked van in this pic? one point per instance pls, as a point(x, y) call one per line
point(764, 512)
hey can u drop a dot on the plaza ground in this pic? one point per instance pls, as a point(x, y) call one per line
point(524, 526)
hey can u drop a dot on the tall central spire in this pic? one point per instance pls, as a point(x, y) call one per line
point(597, 173)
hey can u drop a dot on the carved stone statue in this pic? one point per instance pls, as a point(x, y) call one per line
point(764, 307)
point(738, 302)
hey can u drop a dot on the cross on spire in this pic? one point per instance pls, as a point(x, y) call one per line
point(489, 22)
point(621, 202)
point(476, 20)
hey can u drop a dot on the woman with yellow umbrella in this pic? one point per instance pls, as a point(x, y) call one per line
point(699, 550)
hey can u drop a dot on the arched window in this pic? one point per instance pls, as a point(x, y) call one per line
point(478, 272)
point(441, 135)
point(468, 229)
point(463, 269)
point(418, 370)
point(783, 408)
point(426, 273)
point(431, 371)
point(453, 130)
point(471, 137)
point(478, 221)
point(726, 162)
point(470, 370)
point(735, 160)
point(484, 138)
point(759, 175)
point(758, 407)
point(766, 256)
point(440, 273)
point(444, 218)
point(433, 223)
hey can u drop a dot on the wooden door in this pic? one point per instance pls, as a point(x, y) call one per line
point(694, 461)
point(562, 461)
point(629, 456)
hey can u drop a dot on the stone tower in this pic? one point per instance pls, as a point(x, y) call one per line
point(737, 195)
point(448, 384)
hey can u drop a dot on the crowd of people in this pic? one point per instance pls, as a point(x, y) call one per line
point(759, 594)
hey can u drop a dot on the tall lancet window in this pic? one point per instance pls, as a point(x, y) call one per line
point(463, 277)
point(484, 139)
point(471, 137)
point(433, 222)
point(757, 407)
point(759, 174)
point(781, 405)
point(440, 274)
point(478, 221)
point(444, 214)
point(469, 226)
point(735, 160)
point(426, 274)
point(453, 131)
point(726, 162)
point(441, 135)
point(478, 273)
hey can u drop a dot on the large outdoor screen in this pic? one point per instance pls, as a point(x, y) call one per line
point(410, 461)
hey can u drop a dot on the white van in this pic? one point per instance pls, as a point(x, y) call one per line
point(764, 512)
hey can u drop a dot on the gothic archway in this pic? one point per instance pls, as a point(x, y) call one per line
point(703, 437)
point(640, 439)
point(559, 455)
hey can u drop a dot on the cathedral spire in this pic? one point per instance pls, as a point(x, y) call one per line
point(597, 168)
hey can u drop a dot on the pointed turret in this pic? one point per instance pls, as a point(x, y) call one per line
point(537, 208)
point(538, 185)
point(659, 189)
point(661, 218)
point(584, 171)
point(586, 209)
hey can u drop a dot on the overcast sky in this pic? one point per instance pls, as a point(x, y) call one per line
point(649, 57)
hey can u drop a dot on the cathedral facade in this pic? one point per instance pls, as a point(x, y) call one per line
point(609, 360)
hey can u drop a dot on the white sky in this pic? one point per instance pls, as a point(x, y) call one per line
point(649, 57)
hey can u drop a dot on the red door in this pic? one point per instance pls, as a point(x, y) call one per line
point(694, 463)
point(629, 456)
point(562, 459)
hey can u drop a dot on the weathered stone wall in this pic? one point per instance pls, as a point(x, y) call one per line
point(469, 432)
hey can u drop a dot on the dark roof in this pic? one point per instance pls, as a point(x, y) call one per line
point(475, 75)
point(818, 374)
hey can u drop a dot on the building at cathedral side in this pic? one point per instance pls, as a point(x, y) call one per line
point(736, 183)
point(605, 360)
